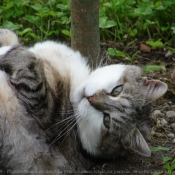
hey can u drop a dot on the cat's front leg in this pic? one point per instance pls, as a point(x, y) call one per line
point(8, 38)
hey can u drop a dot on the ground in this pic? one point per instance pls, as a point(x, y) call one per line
point(161, 119)
point(134, 164)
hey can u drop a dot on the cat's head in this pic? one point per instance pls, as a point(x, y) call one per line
point(111, 105)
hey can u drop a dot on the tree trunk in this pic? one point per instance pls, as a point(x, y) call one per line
point(85, 35)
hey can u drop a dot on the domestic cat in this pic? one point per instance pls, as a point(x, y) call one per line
point(53, 107)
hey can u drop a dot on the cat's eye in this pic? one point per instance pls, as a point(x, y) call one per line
point(106, 120)
point(116, 91)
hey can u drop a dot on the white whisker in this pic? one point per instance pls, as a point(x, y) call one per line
point(78, 128)
point(62, 132)
point(70, 130)
point(70, 118)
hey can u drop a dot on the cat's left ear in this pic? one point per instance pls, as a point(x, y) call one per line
point(135, 141)
point(154, 88)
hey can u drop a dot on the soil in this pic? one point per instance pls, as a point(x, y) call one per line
point(134, 163)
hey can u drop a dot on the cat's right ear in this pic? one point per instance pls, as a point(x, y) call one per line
point(154, 88)
point(135, 141)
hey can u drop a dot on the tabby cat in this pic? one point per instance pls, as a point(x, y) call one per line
point(53, 108)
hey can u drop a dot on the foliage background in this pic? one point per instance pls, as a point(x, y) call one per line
point(120, 20)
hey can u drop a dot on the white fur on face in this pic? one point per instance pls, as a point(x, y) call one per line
point(91, 122)
point(105, 78)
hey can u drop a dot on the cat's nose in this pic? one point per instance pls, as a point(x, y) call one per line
point(90, 99)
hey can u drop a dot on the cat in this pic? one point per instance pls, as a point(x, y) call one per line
point(55, 110)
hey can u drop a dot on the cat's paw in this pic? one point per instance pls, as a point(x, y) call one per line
point(8, 38)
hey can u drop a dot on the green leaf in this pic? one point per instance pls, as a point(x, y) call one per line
point(149, 68)
point(32, 35)
point(173, 28)
point(60, 6)
point(104, 23)
point(37, 7)
point(31, 18)
point(114, 52)
point(65, 20)
point(134, 55)
point(110, 23)
point(11, 26)
point(166, 159)
point(66, 32)
point(144, 8)
point(133, 32)
point(172, 167)
point(7, 6)
point(108, 4)
point(27, 30)
point(157, 173)
point(159, 148)
point(63, 7)
point(168, 2)
point(173, 162)
point(167, 166)
point(155, 44)
point(164, 28)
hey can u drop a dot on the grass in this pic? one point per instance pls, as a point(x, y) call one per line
point(36, 20)
point(120, 20)
point(169, 163)
point(128, 19)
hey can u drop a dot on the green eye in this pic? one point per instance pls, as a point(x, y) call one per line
point(116, 91)
point(106, 120)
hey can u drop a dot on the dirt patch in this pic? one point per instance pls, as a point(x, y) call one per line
point(162, 122)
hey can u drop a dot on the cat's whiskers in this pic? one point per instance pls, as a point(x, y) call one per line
point(61, 134)
point(78, 125)
point(67, 132)
point(62, 127)
point(78, 118)
point(66, 120)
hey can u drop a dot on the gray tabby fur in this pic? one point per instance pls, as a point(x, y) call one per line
point(35, 97)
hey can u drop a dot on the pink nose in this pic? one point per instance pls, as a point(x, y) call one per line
point(90, 99)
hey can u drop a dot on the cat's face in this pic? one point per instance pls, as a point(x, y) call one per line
point(112, 104)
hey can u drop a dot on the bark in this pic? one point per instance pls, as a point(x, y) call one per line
point(85, 35)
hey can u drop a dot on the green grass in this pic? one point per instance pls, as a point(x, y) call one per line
point(127, 19)
point(120, 20)
point(169, 163)
point(36, 20)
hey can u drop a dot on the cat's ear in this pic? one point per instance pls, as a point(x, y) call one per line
point(135, 141)
point(154, 88)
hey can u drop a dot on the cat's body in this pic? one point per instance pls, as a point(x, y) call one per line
point(52, 106)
